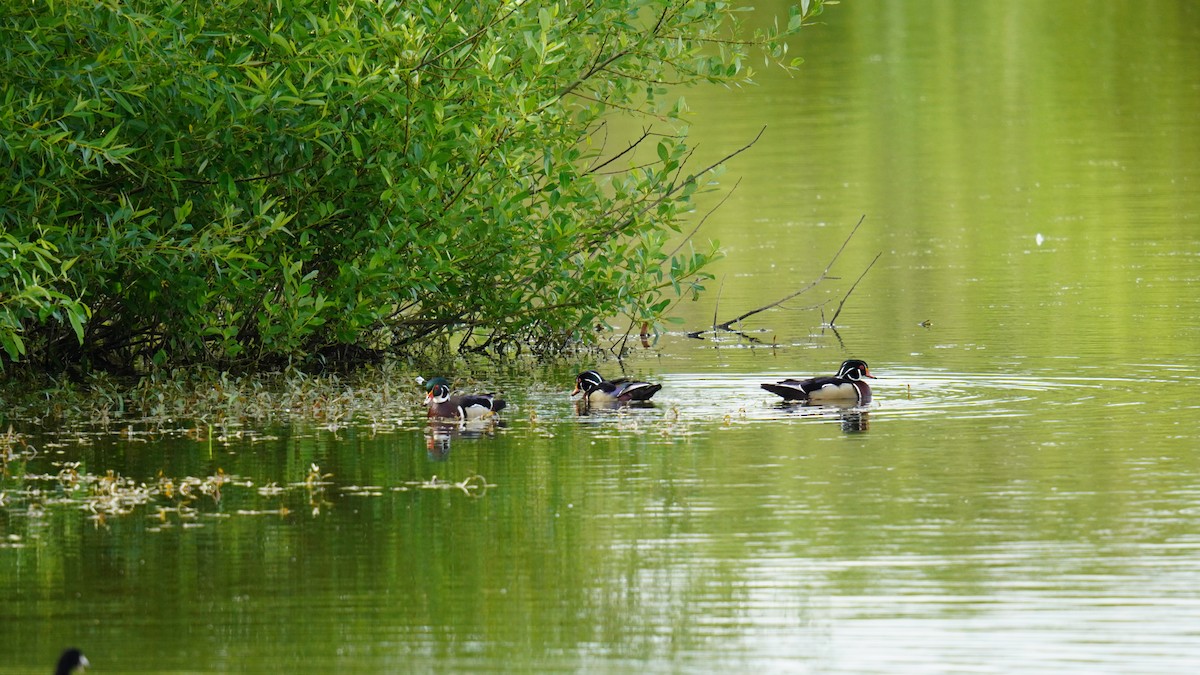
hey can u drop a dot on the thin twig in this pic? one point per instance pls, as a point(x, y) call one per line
point(701, 223)
point(671, 191)
point(603, 144)
point(717, 304)
point(852, 286)
point(819, 279)
point(620, 351)
point(597, 67)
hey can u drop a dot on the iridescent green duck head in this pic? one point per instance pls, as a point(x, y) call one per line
point(432, 382)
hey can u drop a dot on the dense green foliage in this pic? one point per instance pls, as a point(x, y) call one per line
point(241, 182)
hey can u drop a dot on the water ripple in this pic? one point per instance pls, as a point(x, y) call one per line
point(910, 393)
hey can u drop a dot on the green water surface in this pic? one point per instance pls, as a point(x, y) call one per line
point(1023, 495)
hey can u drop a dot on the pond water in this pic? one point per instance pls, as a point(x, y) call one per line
point(1023, 494)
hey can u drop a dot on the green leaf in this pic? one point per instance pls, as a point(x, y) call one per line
point(76, 319)
point(13, 344)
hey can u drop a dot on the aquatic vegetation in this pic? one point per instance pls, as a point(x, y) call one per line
point(112, 495)
point(13, 446)
point(181, 501)
point(81, 427)
point(472, 486)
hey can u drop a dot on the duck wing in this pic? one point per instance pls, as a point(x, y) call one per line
point(800, 390)
point(631, 390)
point(476, 405)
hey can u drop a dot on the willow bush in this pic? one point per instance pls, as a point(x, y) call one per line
point(240, 183)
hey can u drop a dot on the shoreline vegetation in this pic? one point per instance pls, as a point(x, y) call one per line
point(257, 186)
point(198, 397)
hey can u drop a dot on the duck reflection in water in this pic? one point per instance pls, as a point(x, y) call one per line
point(854, 418)
point(440, 433)
point(585, 407)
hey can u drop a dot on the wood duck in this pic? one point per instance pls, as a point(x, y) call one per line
point(847, 386)
point(463, 406)
point(596, 389)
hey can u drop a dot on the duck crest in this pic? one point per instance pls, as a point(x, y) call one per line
point(432, 382)
point(588, 381)
point(854, 369)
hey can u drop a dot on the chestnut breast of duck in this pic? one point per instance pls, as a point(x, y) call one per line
point(847, 386)
point(596, 389)
point(463, 406)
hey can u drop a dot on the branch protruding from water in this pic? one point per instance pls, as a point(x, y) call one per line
point(852, 287)
point(728, 325)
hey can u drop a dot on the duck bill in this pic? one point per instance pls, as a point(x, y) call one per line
point(575, 391)
point(429, 398)
point(867, 373)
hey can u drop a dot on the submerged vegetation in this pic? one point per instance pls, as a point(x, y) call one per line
point(187, 501)
point(205, 414)
point(250, 184)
